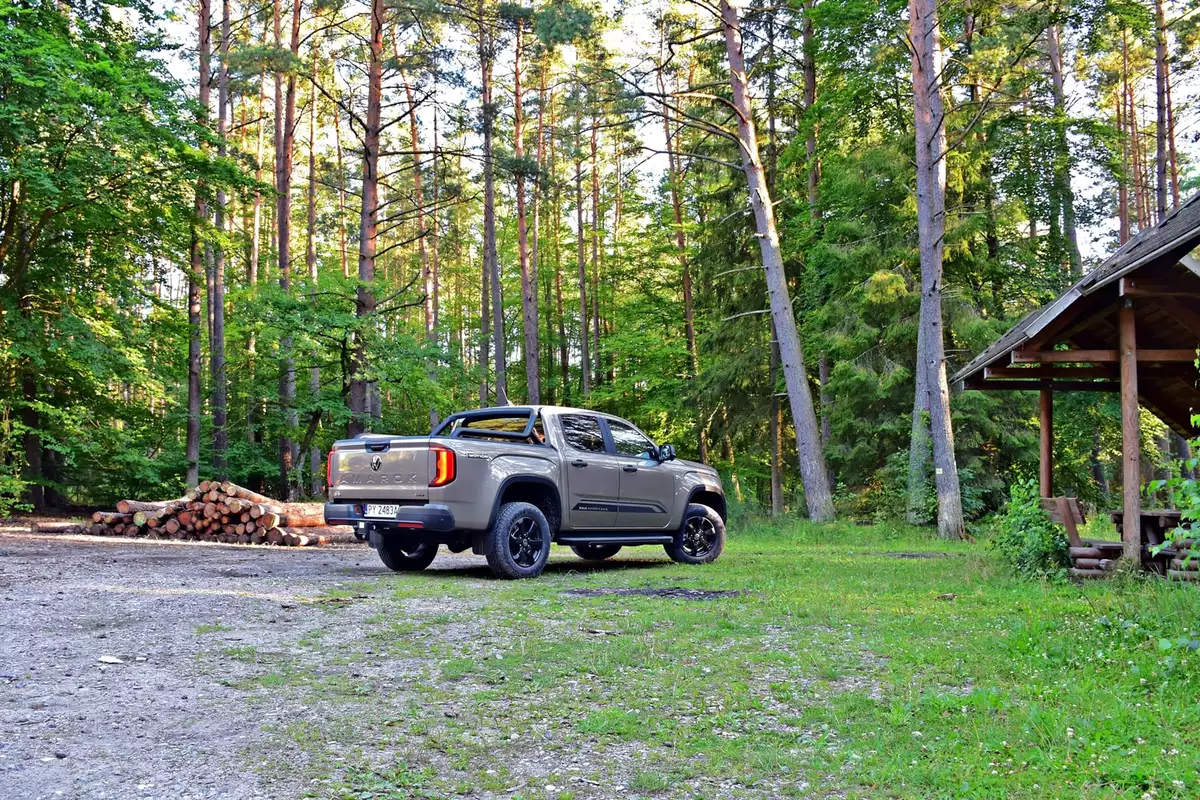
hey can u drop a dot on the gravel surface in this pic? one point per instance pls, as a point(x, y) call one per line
point(104, 688)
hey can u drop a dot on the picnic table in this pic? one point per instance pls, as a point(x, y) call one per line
point(1094, 558)
point(1156, 524)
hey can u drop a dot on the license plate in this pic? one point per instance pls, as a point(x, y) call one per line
point(389, 511)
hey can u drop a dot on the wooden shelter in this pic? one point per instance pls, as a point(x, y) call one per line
point(1130, 326)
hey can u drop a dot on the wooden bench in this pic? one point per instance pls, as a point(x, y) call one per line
point(1090, 558)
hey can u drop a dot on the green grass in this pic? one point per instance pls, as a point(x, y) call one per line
point(840, 668)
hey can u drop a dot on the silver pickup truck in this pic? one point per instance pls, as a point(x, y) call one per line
point(507, 482)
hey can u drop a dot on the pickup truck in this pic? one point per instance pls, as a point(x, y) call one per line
point(507, 482)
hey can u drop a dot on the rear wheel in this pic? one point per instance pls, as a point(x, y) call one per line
point(520, 541)
point(596, 552)
point(402, 556)
point(702, 538)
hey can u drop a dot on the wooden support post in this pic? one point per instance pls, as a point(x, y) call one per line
point(1046, 426)
point(1131, 459)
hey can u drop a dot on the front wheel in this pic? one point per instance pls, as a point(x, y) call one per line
point(596, 552)
point(520, 541)
point(401, 556)
point(702, 538)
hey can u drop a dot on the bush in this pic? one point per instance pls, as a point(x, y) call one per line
point(1026, 538)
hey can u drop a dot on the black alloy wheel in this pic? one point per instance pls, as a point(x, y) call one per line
point(525, 541)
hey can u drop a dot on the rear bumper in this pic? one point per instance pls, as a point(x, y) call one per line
point(432, 517)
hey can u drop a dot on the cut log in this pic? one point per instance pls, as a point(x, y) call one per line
point(59, 527)
point(233, 490)
point(1183, 575)
point(1095, 563)
point(1090, 573)
point(1086, 552)
point(130, 506)
point(108, 517)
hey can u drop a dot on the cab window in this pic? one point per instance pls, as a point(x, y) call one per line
point(582, 433)
point(629, 441)
point(514, 424)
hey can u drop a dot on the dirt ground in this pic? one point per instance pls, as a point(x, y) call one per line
point(160, 724)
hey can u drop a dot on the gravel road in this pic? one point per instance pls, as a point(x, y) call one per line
point(158, 724)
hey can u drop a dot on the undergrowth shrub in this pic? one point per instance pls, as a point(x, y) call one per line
point(1026, 538)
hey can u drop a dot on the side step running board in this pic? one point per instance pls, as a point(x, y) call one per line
point(649, 538)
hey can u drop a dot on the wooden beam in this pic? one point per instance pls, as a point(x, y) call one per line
point(1146, 287)
point(1131, 439)
point(1182, 313)
point(1039, 385)
point(1098, 356)
point(1064, 356)
point(1046, 428)
point(1048, 371)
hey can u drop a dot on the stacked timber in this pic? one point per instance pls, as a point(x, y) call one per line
point(216, 511)
point(1095, 559)
point(1185, 564)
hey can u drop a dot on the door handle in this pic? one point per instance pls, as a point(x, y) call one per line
point(629, 468)
point(578, 463)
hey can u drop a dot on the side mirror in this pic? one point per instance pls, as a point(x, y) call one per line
point(666, 452)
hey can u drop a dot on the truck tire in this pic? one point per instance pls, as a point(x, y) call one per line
point(520, 541)
point(400, 557)
point(702, 537)
point(596, 552)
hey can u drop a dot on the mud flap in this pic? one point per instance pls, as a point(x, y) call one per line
point(481, 543)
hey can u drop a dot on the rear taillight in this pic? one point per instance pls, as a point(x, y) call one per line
point(329, 469)
point(444, 465)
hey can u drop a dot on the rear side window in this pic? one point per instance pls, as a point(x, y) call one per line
point(628, 441)
point(582, 433)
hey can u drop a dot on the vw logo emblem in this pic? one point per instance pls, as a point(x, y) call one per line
point(376, 463)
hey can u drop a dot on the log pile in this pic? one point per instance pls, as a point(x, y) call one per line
point(216, 511)
point(1185, 564)
point(1095, 559)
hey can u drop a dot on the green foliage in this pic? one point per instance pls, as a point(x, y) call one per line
point(1026, 539)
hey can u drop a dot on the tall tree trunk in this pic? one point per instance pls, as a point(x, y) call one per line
point(535, 255)
point(774, 421)
point(599, 373)
point(1131, 121)
point(310, 257)
point(817, 491)
point(584, 363)
point(491, 263)
point(368, 225)
point(341, 169)
point(529, 300)
point(427, 278)
point(810, 99)
point(930, 138)
point(255, 260)
point(435, 212)
point(560, 313)
point(285, 136)
point(1062, 158)
point(1162, 123)
point(192, 448)
point(1171, 136)
point(220, 431)
point(689, 316)
point(1124, 223)
point(256, 230)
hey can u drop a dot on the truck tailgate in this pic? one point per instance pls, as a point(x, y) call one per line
point(385, 468)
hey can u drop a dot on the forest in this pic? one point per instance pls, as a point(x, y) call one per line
point(232, 233)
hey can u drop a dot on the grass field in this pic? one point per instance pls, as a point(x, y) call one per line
point(846, 667)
